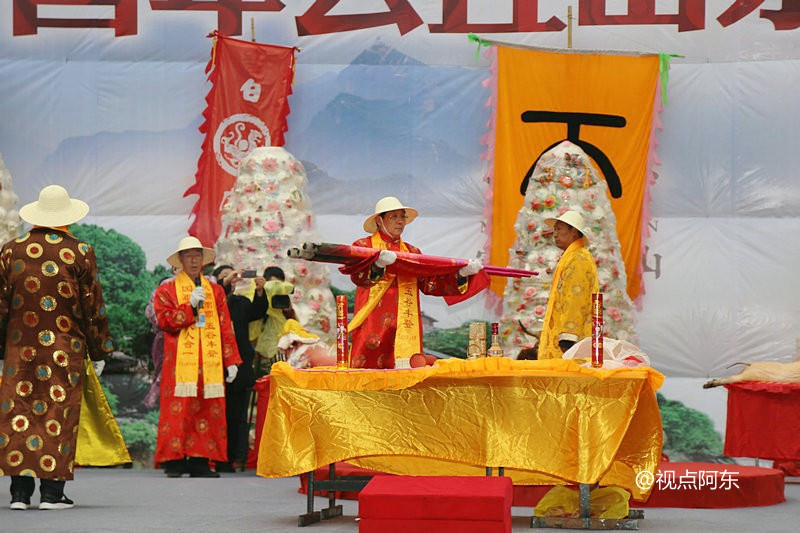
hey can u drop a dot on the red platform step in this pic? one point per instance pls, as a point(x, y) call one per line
point(411, 504)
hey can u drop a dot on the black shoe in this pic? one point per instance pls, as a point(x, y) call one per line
point(20, 501)
point(175, 468)
point(203, 473)
point(198, 467)
point(225, 467)
point(54, 502)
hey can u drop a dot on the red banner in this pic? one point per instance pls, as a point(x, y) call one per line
point(246, 108)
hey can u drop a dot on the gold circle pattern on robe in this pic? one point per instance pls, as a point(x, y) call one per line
point(51, 282)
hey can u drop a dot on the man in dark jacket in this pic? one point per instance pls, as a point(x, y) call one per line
point(237, 393)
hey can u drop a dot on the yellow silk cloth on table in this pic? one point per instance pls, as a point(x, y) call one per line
point(578, 82)
point(100, 442)
point(546, 422)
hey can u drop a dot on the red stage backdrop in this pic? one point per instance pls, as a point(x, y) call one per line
point(247, 108)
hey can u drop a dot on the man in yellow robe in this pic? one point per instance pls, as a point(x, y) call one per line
point(568, 318)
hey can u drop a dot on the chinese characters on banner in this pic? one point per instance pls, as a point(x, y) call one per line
point(316, 20)
point(247, 108)
point(592, 87)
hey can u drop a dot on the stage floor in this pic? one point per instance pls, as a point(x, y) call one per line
point(118, 500)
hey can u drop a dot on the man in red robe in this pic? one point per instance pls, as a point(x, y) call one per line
point(199, 354)
point(386, 325)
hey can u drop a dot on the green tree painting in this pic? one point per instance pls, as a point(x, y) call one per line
point(127, 285)
point(689, 435)
point(451, 341)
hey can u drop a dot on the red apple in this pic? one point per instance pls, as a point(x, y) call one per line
point(417, 360)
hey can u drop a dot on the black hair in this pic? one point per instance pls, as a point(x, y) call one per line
point(219, 269)
point(274, 272)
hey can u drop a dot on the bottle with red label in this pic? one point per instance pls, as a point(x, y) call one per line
point(495, 350)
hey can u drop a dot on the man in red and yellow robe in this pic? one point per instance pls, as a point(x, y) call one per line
point(387, 323)
point(197, 358)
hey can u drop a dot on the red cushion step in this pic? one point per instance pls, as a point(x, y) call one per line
point(462, 498)
point(393, 525)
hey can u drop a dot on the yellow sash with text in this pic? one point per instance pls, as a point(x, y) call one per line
point(190, 342)
point(406, 337)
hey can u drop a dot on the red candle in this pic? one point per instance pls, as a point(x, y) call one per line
point(342, 355)
point(597, 329)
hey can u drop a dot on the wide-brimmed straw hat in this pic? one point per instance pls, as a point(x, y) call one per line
point(54, 208)
point(191, 243)
point(571, 218)
point(384, 205)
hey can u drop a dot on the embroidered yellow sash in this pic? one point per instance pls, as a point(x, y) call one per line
point(192, 339)
point(406, 337)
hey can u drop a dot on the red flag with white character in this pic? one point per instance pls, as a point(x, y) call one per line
point(246, 109)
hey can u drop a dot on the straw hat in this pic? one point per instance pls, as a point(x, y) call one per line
point(293, 332)
point(54, 208)
point(384, 205)
point(191, 243)
point(571, 218)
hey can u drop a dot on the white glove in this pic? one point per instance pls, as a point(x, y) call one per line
point(232, 371)
point(470, 269)
point(198, 295)
point(385, 258)
point(98, 367)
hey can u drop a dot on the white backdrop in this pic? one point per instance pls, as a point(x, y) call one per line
point(115, 119)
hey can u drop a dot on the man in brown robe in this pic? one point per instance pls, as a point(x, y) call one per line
point(51, 316)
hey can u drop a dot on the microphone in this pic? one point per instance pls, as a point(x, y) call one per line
point(201, 316)
point(198, 283)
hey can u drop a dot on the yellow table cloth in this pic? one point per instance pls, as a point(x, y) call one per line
point(545, 422)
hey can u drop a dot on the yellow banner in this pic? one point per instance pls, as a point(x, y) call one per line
point(572, 83)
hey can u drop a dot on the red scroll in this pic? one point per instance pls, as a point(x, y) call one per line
point(356, 258)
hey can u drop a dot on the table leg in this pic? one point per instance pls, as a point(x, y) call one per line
point(585, 520)
point(311, 516)
point(332, 510)
point(584, 498)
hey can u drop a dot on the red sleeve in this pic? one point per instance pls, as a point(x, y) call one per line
point(172, 316)
point(444, 285)
point(362, 277)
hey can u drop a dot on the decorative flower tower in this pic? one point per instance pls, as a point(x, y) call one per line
point(564, 178)
point(9, 217)
point(267, 212)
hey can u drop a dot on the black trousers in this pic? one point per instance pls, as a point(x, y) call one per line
point(238, 430)
point(26, 485)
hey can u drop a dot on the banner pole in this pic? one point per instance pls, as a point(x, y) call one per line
point(569, 26)
point(252, 29)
